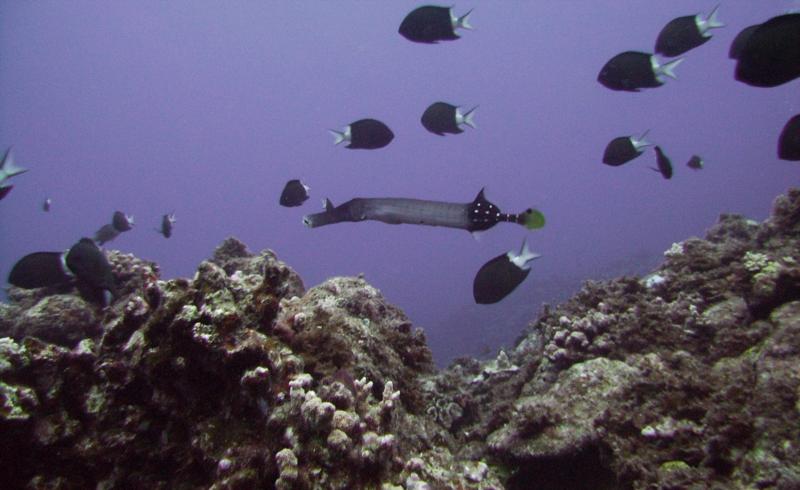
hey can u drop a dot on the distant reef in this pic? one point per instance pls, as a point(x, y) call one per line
point(240, 378)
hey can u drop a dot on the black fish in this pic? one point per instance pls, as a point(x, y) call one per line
point(789, 141)
point(294, 193)
point(633, 70)
point(441, 117)
point(740, 40)
point(40, 269)
point(166, 225)
point(695, 163)
point(366, 134)
point(684, 33)
point(501, 275)
point(4, 190)
point(84, 263)
point(624, 149)
point(431, 24)
point(770, 56)
point(47, 204)
point(90, 265)
point(119, 223)
point(8, 168)
point(478, 215)
point(664, 165)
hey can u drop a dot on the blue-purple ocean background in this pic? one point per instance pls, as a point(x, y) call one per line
point(206, 109)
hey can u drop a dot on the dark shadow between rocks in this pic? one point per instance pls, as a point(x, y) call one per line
point(588, 469)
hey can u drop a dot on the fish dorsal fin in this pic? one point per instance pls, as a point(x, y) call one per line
point(327, 204)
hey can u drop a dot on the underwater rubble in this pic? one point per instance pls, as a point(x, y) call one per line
point(242, 378)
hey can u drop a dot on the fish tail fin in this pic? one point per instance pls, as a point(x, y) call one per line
point(641, 142)
point(469, 118)
point(526, 255)
point(463, 21)
point(667, 68)
point(712, 21)
point(532, 219)
point(337, 135)
point(8, 168)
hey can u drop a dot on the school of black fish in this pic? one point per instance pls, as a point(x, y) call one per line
point(766, 55)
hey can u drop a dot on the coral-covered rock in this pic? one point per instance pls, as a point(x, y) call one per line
point(59, 319)
point(237, 378)
point(707, 399)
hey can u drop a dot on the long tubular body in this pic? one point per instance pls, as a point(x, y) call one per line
point(395, 211)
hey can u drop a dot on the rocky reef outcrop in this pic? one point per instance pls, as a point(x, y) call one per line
point(686, 378)
point(242, 378)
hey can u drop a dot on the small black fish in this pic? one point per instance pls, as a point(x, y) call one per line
point(40, 269)
point(770, 56)
point(8, 168)
point(684, 33)
point(166, 225)
point(90, 265)
point(664, 165)
point(366, 134)
point(4, 190)
point(431, 24)
point(441, 117)
point(47, 204)
point(623, 149)
point(740, 40)
point(695, 163)
point(789, 141)
point(119, 223)
point(294, 193)
point(501, 275)
point(633, 70)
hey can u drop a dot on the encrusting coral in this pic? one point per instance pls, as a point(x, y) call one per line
point(240, 378)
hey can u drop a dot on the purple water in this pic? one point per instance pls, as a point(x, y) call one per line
point(206, 109)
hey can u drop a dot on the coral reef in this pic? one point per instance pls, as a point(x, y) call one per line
point(242, 378)
point(238, 378)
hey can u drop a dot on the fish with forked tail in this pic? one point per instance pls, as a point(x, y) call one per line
point(441, 117)
point(430, 24)
point(634, 70)
point(688, 32)
point(364, 134)
point(623, 149)
point(497, 278)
